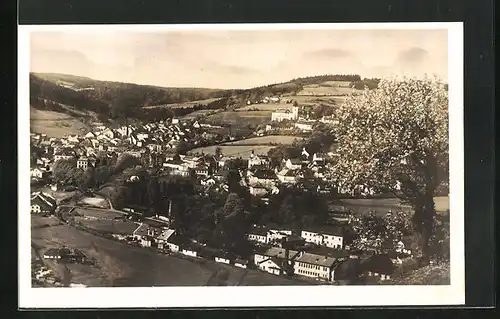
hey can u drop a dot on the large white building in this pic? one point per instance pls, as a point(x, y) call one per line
point(330, 238)
point(315, 266)
point(285, 114)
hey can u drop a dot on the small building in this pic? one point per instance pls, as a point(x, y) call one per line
point(287, 176)
point(378, 267)
point(304, 126)
point(293, 163)
point(42, 203)
point(201, 170)
point(176, 243)
point(258, 235)
point(330, 237)
point(275, 260)
point(224, 258)
point(258, 190)
point(241, 263)
point(84, 162)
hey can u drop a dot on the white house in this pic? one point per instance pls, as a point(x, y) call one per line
point(273, 259)
point(258, 234)
point(285, 114)
point(258, 190)
point(37, 172)
point(331, 238)
point(274, 235)
point(241, 263)
point(287, 176)
point(304, 126)
point(292, 164)
point(189, 252)
point(255, 160)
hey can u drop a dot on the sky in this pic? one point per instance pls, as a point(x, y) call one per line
point(238, 59)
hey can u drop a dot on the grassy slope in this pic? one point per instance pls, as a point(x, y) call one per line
point(122, 265)
point(55, 124)
point(243, 151)
point(438, 274)
point(266, 140)
point(382, 205)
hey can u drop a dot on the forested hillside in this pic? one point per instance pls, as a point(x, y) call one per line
point(112, 100)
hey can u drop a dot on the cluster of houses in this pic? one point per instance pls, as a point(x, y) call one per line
point(151, 143)
point(311, 254)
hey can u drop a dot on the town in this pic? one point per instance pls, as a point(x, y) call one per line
point(173, 187)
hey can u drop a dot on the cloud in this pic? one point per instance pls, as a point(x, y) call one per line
point(413, 55)
point(329, 53)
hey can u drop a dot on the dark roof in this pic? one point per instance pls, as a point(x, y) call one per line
point(241, 261)
point(176, 161)
point(258, 231)
point(379, 263)
point(43, 200)
point(207, 252)
point(295, 161)
point(331, 252)
point(225, 255)
point(178, 240)
point(264, 173)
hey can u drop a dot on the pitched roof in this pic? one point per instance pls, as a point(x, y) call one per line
point(315, 259)
point(44, 199)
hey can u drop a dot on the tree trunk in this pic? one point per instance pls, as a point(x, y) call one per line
point(423, 220)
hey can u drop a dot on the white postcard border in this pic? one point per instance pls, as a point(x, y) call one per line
point(278, 296)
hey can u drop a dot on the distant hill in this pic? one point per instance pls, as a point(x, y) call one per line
point(109, 99)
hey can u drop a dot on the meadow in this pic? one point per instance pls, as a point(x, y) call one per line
point(242, 151)
point(383, 205)
point(184, 104)
point(265, 107)
point(240, 118)
point(54, 124)
point(266, 140)
point(326, 88)
point(97, 202)
point(118, 264)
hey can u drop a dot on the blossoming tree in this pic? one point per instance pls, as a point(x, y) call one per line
point(395, 140)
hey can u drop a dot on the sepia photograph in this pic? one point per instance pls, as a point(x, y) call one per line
point(241, 165)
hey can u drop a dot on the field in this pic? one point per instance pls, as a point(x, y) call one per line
point(267, 140)
point(194, 114)
point(97, 213)
point(344, 84)
point(127, 266)
point(94, 202)
point(265, 107)
point(315, 100)
point(185, 104)
point(326, 88)
point(54, 124)
point(242, 151)
point(122, 227)
point(240, 118)
point(40, 221)
point(382, 205)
